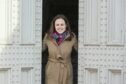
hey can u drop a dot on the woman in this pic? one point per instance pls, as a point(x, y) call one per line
point(59, 40)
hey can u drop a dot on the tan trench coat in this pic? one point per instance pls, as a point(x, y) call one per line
point(59, 67)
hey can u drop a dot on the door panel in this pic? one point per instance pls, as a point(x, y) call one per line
point(106, 55)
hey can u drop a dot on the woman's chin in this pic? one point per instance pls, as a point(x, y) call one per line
point(60, 32)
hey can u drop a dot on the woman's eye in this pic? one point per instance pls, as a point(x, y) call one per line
point(62, 24)
point(57, 24)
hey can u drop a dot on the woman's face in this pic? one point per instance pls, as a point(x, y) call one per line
point(60, 25)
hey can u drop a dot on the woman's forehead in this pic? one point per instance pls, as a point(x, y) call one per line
point(59, 20)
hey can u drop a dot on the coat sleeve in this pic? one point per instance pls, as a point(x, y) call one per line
point(75, 44)
point(44, 43)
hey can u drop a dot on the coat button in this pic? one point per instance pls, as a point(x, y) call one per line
point(59, 55)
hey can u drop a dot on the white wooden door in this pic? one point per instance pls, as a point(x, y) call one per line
point(102, 43)
point(20, 41)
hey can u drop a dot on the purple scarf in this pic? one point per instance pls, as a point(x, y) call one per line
point(59, 38)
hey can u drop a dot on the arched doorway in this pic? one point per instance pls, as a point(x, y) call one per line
point(70, 9)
